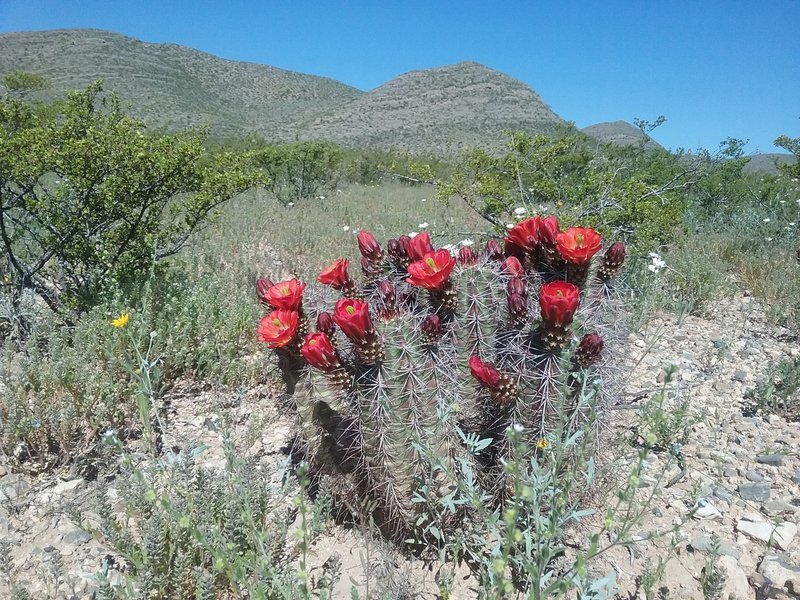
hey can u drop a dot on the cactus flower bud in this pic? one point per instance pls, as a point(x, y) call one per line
point(336, 275)
point(588, 351)
point(516, 286)
point(394, 249)
point(433, 271)
point(278, 328)
point(467, 257)
point(486, 373)
point(319, 353)
point(493, 251)
point(352, 317)
point(518, 306)
point(578, 245)
point(287, 295)
point(432, 327)
point(511, 266)
point(548, 231)
point(419, 246)
point(404, 241)
point(615, 255)
point(262, 287)
point(325, 323)
point(369, 247)
point(558, 301)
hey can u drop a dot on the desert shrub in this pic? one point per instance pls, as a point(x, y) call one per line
point(301, 170)
point(792, 145)
point(439, 405)
point(190, 531)
point(779, 390)
point(90, 199)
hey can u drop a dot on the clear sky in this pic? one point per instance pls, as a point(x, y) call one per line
point(713, 68)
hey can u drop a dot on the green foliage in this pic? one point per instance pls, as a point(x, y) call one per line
point(194, 532)
point(300, 170)
point(779, 391)
point(792, 145)
point(88, 199)
point(21, 83)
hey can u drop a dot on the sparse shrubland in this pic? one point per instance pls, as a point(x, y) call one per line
point(451, 405)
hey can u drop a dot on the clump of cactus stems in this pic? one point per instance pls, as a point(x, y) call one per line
point(430, 350)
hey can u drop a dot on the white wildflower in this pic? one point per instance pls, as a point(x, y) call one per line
point(467, 242)
point(656, 262)
point(290, 204)
point(412, 234)
point(766, 220)
point(509, 226)
point(424, 200)
point(346, 228)
point(769, 239)
point(423, 225)
point(792, 224)
point(520, 211)
point(518, 428)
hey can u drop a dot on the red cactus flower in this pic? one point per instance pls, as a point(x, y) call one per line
point(486, 373)
point(578, 244)
point(525, 234)
point(548, 231)
point(493, 251)
point(287, 295)
point(432, 326)
point(433, 271)
point(336, 275)
point(467, 257)
point(511, 266)
point(369, 246)
point(352, 317)
point(319, 353)
point(558, 301)
point(262, 287)
point(419, 246)
point(278, 328)
point(325, 323)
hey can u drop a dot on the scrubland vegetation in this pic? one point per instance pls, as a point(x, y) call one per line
point(131, 260)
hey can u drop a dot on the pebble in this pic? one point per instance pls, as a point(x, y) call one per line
point(773, 460)
point(781, 535)
point(703, 544)
point(754, 492)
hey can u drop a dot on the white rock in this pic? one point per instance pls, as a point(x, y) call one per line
point(736, 585)
point(781, 535)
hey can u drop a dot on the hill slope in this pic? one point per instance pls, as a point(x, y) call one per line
point(174, 86)
point(441, 110)
point(621, 133)
point(434, 111)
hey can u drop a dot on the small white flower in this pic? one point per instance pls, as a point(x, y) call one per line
point(792, 224)
point(346, 228)
point(412, 234)
point(290, 204)
point(520, 210)
point(782, 201)
point(769, 239)
point(467, 242)
point(518, 428)
point(424, 200)
point(423, 225)
point(766, 220)
point(509, 226)
point(654, 255)
point(109, 433)
point(322, 197)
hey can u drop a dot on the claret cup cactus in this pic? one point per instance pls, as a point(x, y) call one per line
point(413, 377)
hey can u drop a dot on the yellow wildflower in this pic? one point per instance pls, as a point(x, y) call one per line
point(542, 444)
point(120, 321)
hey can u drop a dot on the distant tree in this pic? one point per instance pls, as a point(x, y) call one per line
point(21, 83)
point(791, 145)
point(300, 170)
point(89, 199)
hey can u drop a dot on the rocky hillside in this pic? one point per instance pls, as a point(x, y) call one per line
point(767, 163)
point(442, 110)
point(432, 111)
point(621, 133)
point(174, 86)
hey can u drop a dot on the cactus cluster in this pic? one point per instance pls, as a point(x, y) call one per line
point(431, 350)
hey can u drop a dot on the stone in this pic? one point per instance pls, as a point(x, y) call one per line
point(64, 487)
point(773, 460)
point(796, 477)
point(703, 544)
point(780, 572)
point(740, 376)
point(76, 537)
point(705, 510)
point(736, 586)
point(754, 492)
point(753, 475)
point(781, 535)
point(12, 486)
point(775, 508)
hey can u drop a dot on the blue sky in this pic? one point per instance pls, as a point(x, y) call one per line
point(714, 69)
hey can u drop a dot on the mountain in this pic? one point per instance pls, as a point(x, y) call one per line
point(173, 86)
point(434, 111)
point(443, 110)
point(766, 163)
point(621, 133)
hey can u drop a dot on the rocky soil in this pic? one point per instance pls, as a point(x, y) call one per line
point(741, 483)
